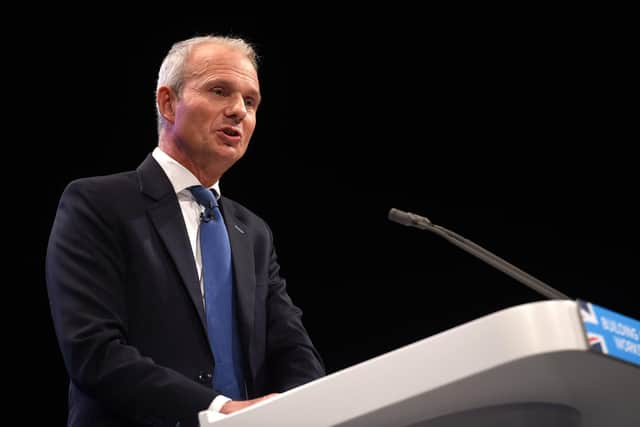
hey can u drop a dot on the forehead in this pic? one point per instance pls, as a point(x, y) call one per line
point(212, 59)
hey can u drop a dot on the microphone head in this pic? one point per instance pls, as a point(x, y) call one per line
point(400, 217)
point(409, 219)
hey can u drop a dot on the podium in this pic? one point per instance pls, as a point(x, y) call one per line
point(528, 365)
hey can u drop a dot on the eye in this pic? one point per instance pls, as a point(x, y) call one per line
point(251, 102)
point(217, 91)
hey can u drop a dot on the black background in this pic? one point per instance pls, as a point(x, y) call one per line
point(513, 128)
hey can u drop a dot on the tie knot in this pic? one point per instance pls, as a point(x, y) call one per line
point(204, 196)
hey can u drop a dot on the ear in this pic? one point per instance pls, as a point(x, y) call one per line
point(166, 103)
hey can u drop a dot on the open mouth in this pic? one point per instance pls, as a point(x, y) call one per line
point(230, 132)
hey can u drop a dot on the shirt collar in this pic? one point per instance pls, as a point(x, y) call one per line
point(179, 176)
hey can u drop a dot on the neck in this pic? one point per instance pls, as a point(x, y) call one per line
point(207, 172)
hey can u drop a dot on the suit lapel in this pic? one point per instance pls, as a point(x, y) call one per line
point(243, 271)
point(167, 218)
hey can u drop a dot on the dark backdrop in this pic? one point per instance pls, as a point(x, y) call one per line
point(512, 129)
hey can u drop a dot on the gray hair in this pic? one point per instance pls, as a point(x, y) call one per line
point(171, 72)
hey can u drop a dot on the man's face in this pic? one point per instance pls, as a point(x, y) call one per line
point(215, 114)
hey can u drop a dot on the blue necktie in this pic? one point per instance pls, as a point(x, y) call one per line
point(218, 296)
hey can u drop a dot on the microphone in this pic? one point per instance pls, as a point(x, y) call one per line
point(207, 215)
point(412, 220)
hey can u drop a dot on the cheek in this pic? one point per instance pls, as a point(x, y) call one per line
point(192, 116)
point(249, 127)
point(200, 111)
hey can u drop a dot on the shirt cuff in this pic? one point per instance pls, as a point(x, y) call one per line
point(218, 403)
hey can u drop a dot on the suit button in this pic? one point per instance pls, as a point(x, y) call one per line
point(204, 378)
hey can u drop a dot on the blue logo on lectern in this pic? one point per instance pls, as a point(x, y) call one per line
point(611, 333)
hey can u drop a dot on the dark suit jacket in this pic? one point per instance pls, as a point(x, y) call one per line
point(128, 312)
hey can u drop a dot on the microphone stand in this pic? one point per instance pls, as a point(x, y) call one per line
point(417, 221)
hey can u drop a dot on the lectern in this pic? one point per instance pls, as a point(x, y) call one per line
point(535, 364)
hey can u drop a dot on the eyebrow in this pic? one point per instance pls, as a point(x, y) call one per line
point(225, 82)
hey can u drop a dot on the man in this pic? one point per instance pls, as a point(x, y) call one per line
point(126, 264)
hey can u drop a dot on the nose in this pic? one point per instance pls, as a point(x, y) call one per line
point(236, 108)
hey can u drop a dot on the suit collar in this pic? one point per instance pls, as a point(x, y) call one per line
point(152, 180)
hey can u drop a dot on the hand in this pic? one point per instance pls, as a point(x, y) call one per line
point(236, 405)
